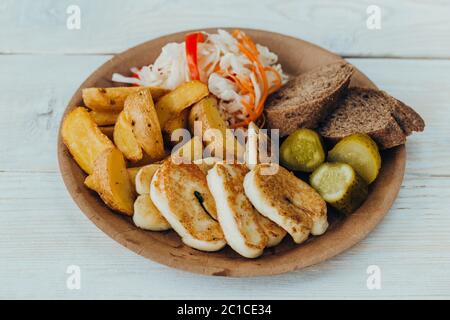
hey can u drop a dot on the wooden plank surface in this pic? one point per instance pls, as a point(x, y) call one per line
point(42, 231)
point(409, 28)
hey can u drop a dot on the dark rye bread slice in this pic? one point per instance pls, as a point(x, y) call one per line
point(308, 98)
point(374, 112)
point(408, 119)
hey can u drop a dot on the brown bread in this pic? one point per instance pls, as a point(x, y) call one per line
point(308, 98)
point(374, 112)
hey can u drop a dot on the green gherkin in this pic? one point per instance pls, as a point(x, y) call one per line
point(359, 151)
point(302, 151)
point(340, 186)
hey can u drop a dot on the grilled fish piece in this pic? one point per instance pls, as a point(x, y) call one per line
point(181, 194)
point(237, 217)
point(146, 216)
point(275, 234)
point(286, 200)
point(206, 164)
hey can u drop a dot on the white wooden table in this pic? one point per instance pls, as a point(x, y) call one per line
point(42, 231)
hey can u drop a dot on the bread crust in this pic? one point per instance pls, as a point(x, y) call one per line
point(286, 113)
point(408, 119)
point(399, 119)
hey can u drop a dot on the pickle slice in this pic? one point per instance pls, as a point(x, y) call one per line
point(359, 151)
point(340, 186)
point(302, 151)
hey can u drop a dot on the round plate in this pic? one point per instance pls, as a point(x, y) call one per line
point(296, 56)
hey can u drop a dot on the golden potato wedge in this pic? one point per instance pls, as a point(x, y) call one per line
point(140, 110)
point(104, 118)
point(227, 148)
point(83, 138)
point(90, 182)
point(171, 104)
point(112, 182)
point(125, 139)
point(132, 172)
point(179, 122)
point(146, 216)
point(108, 131)
point(146, 160)
point(113, 99)
point(190, 151)
point(144, 177)
point(206, 112)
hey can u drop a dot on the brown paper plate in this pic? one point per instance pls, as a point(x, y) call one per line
point(296, 56)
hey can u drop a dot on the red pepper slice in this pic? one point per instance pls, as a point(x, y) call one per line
point(135, 75)
point(191, 41)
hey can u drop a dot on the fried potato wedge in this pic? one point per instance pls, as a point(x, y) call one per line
point(125, 139)
point(146, 216)
point(90, 182)
point(137, 132)
point(179, 122)
point(173, 103)
point(190, 151)
point(206, 113)
point(83, 138)
point(108, 131)
point(146, 160)
point(139, 109)
point(113, 99)
point(144, 177)
point(112, 182)
point(104, 118)
point(224, 148)
point(132, 173)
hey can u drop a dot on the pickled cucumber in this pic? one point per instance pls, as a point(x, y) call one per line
point(359, 151)
point(340, 186)
point(302, 151)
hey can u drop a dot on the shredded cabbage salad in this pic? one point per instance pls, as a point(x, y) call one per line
point(240, 73)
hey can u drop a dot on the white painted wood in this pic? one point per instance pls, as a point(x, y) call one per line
point(408, 28)
point(42, 63)
point(42, 231)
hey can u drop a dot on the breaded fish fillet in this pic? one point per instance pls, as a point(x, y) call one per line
point(181, 194)
point(237, 217)
point(275, 234)
point(288, 201)
point(206, 164)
